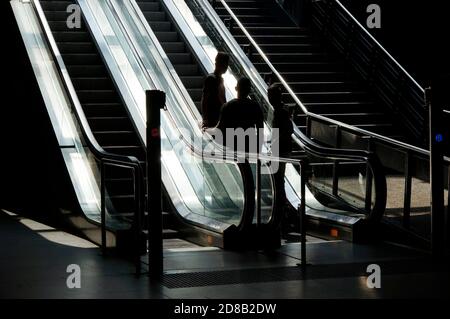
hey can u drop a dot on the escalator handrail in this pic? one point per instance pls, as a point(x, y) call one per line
point(348, 127)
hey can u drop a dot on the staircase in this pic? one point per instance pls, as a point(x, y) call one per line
point(319, 78)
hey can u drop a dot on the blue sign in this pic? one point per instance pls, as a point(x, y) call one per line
point(439, 138)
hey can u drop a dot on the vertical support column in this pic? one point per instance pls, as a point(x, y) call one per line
point(308, 126)
point(369, 179)
point(336, 163)
point(448, 212)
point(436, 172)
point(156, 100)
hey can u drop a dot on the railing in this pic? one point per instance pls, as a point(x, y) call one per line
point(385, 76)
point(104, 158)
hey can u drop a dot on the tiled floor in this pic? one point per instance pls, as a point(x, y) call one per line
point(34, 259)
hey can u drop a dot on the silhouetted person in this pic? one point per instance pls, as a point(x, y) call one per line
point(241, 112)
point(213, 96)
point(281, 138)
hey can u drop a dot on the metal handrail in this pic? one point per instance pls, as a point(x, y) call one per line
point(99, 153)
point(348, 127)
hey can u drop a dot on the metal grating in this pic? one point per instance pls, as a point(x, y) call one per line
point(261, 275)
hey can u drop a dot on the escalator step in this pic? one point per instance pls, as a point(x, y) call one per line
point(102, 83)
point(180, 58)
point(97, 110)
point(160, 26)
point(98, 96)
point(81, 59)
point(110, 123)
point(62, 26)
point(167, 36)
point(173, 47)
point(187, 69)
point(155, 16)
point(76, 47)
point(87, 71)
point(55, 5)
point(192, 82)
point(111, 138)
point(71, 36)
point(149, 6)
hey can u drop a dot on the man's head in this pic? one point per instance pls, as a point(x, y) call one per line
point(275, 95)
point(222, 62)
point(243, 87)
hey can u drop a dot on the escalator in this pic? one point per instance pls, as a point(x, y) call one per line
point(106, 115)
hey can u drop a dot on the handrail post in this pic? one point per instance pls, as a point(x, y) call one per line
point(408, 190)
point(336, 163)
point(258, 182)
point(155, 102)
point(447, 220)
point(436, 170)
point(302, 211)
point(138, 219)
point(103, 207)
point(369, 179)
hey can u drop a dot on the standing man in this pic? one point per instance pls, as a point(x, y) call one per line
point(214, 92)
point(242, 113)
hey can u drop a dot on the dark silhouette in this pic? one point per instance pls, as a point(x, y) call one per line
point(282, 138)
point(214, 92)
point(241, 112)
